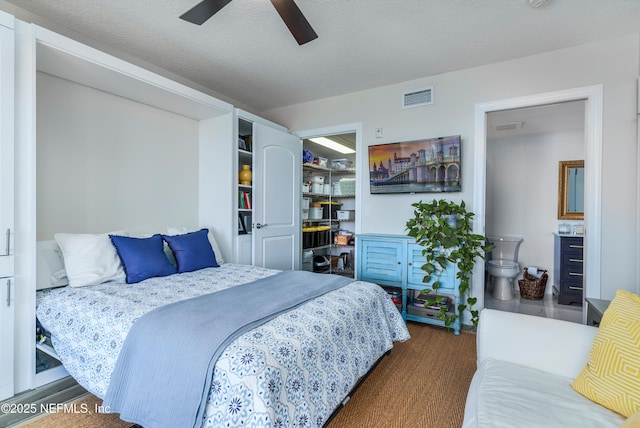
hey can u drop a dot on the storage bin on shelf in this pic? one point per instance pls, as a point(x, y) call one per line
point(343, 238)
point(320, 161)
point(347, 186)
point(323, 235)
point(341, 164)
point(330, 209)
point(309, 237)
point(335, 189)
point(315, 236)
point(315, 213)
point(345, 214)
point(316, 183)
point(425, 309)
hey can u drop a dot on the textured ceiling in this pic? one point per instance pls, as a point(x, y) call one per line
point(246, 54)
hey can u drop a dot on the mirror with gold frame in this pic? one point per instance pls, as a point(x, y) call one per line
point(571, 190)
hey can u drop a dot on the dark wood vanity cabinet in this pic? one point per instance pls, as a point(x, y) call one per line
point(568, 269)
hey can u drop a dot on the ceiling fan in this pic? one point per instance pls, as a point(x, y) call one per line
point(288, 10)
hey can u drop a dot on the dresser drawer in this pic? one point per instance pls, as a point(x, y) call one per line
point(571, 287)
point(574, 260)
point(572, 246)
point(572, 273)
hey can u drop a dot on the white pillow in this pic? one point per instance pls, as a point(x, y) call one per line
point(90, 259)
point(212, 239)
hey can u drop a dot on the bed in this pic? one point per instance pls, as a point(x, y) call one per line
point(293, 370)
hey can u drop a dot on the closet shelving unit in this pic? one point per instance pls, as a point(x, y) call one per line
point(329, 247)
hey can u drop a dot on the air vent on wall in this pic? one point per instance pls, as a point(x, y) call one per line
point(510, 126)
point(420, 97)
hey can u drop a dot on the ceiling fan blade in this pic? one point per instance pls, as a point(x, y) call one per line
point(203, 11)
point(295, 21)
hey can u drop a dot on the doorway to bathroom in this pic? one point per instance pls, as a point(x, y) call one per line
point(518, 204)
point(524, 148)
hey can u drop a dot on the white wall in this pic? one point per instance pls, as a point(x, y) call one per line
point(522, 191)
point(613, 63)
point(106, 163)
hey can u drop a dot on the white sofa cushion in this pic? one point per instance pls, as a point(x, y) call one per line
point(503, 394)
point(554, 346)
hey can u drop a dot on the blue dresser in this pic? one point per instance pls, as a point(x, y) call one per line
point(395, 261)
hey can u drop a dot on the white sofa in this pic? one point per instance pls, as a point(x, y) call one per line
point(525, 368)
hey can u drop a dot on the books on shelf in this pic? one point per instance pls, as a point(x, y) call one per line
point(431, 301)
point(245, 142)
point(244, 200)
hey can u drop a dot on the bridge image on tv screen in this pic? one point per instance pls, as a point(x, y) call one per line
point(429, 165)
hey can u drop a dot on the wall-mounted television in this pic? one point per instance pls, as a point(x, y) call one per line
point(432, 165)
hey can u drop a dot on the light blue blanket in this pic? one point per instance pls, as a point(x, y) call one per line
point(163, 373)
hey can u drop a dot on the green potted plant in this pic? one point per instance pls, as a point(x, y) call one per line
point(444, 230)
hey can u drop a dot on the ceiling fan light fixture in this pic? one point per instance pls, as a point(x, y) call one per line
point(295, 21)
point(287, 9)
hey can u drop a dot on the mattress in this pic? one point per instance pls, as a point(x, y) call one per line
point(293, 370)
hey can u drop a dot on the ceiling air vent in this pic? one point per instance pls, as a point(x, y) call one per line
point(510, 126)
point(420, 97)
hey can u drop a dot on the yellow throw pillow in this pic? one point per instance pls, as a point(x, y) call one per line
point(633, 421)
point(611, 377)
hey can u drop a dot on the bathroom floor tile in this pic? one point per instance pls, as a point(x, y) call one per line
point(547, 307)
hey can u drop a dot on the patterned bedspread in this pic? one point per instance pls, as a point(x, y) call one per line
point(292, 371)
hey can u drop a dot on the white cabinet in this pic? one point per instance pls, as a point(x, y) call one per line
point(7, 289)
point(256, 223)
point(41, 50)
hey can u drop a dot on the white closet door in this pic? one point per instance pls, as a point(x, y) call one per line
point(276, 181)
point(7, 288)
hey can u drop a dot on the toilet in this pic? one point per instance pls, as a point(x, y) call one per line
point(503, 265)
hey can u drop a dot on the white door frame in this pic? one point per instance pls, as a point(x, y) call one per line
point(593, 95)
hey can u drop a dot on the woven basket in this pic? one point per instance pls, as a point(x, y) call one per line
point(532, 287)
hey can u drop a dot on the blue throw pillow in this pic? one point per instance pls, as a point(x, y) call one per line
point(192, 250)
point(142, 258)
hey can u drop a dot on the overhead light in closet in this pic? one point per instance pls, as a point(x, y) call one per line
point(330, 144)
